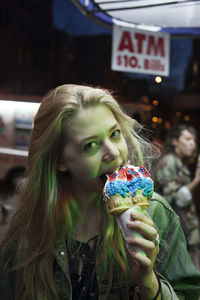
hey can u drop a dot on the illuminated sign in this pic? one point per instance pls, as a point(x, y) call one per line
point(139, 51)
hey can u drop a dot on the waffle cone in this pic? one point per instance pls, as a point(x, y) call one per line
point(116, 204)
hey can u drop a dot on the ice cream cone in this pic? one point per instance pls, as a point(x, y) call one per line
point(126, 189)
point(117, 204)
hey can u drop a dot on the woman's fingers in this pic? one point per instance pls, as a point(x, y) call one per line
point(135, 215)
point(141, 243)
point(142, 224)
point(143, 239)
point(146, 230)
point(147, 246)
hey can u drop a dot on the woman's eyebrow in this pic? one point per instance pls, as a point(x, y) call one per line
point(87, 138)
point(116, 125)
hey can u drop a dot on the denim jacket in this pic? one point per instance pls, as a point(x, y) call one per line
point(179, 278)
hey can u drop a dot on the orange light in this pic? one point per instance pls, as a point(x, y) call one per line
point(154, 119)
point(187, 118)
point(155, 102)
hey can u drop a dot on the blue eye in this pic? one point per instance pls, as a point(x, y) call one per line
point(116, 133)
point(90, 146)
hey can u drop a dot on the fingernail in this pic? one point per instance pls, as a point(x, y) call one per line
point(134, 214)
point(127, 240)
point(130, 224)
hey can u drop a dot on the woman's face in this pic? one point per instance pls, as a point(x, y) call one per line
point(95, 146)
point(185, 144)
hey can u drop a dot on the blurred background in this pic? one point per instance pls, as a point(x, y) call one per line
point(50, 42)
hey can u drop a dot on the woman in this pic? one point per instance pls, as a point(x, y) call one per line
point(62, 244)
point(175, 183)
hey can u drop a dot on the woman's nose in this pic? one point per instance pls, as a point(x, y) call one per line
point(110, 152)
point(193, 143)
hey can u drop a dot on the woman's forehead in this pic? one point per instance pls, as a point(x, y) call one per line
point(187, 133)
point(92, 121)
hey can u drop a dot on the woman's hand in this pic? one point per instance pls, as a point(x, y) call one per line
point(142, 266)
point(195, 182)
point(197, 173)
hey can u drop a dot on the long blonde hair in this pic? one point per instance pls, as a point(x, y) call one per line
point(43, 216)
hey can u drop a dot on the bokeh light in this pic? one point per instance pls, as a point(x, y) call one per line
point(158, 79)
point(155, 102)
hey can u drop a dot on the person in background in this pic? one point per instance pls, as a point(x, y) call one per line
point(173, 181)
point(62, 243)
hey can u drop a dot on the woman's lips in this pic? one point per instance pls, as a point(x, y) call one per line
point(103, 177)
point(109, 172)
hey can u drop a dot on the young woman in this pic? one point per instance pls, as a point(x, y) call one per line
point(175, 183)
point(62, 244)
